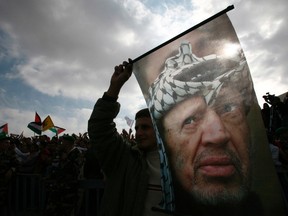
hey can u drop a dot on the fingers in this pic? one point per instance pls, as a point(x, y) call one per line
point(128, 65)
point(124, 66)
point(118, 69)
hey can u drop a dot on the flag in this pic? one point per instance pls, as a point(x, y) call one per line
point(4, 128)
point(37, 118)
point(36, 127)
point(47, 123)
point(57, 130)
point(129, 121)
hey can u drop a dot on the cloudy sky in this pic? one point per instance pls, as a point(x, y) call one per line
point(57, 56)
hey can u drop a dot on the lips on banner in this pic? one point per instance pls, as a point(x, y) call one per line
point(212, 143)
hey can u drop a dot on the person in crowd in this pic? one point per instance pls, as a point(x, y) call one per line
point(29, 164)
point(281, 141)
point(8, 161)
point(22, 150)
point(8, 167)
point(63, 182)
point(265, 112)
point(278, 114)
point(275, 151)
point(48, 153)
point(92, 168)
point(201, 116)
point(132, 172)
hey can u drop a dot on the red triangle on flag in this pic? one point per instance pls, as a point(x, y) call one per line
point(37, 118)
point(4, 128)
point(57, 129)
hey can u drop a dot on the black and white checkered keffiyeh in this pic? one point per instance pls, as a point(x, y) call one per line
point(186, 75)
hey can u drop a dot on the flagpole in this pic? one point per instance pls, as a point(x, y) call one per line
point(231, 7)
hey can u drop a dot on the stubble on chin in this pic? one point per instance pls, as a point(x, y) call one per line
point(213, 191)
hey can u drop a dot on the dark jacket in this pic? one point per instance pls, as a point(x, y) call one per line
point(124, 166)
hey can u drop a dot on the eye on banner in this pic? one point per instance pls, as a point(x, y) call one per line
point(214, 153)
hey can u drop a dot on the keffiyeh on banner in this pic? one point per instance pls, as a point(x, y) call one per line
point(183, 75)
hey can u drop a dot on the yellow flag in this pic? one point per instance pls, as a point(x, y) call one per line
point(47, 123)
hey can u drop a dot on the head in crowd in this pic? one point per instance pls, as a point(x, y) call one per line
point(4, 141)
point(281, 135)
point(67, 142)
point(199, 106)
point(145, 134)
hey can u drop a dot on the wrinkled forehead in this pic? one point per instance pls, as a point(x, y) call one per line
point(228, 94)
point(197, 102)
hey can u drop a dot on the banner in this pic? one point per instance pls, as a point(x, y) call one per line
point(214, 153)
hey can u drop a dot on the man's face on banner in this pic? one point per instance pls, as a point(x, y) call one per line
point(209, 147)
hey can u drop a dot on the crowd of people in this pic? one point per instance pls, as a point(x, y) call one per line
point(40, 154)
point(60, 161)
point(211, 130)
point(275, 118)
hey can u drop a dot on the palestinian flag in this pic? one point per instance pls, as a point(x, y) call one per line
point(4, 128)
point(36, 127)
point(57, 130)
point(37, 118)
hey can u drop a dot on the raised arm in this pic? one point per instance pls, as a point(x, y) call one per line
point(107, 144)
point(121, 74)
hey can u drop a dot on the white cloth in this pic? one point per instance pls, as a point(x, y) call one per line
point(21, 156)
point(154, 193)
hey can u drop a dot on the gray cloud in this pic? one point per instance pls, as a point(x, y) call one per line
point(69, 48)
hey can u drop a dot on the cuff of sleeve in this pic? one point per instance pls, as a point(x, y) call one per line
point(109, 98)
